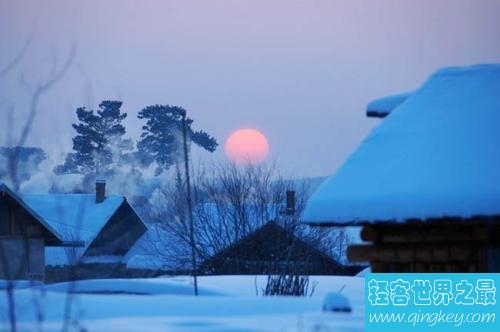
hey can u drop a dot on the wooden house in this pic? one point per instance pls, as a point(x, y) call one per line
point(273, 249)
point(425, 184)
point(23, 237)
point(79, 236)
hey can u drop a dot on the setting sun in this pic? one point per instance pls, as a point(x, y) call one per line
point(247, 146)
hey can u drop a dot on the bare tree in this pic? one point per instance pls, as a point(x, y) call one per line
point(230, 203)
point(236, 201)
point(10, 106)
point(17, 58)
point(36, 93)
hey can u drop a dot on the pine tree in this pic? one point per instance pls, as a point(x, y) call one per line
point(99, 144)
point(161, 138)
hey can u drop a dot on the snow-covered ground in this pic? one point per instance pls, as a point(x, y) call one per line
point(227, 303)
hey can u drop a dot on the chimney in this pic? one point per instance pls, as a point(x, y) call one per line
point(290, 202)
point(100, 191)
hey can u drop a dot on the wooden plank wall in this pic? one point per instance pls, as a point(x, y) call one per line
point(458, 246)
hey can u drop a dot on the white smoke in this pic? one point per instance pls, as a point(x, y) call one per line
point(45, 180)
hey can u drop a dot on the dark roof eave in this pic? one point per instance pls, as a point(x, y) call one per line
point(65, 243)
point(125, 202)
point(376, 114)
point(334, 224)
point(483, 219)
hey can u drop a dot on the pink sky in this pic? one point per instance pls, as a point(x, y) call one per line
point(299, 71)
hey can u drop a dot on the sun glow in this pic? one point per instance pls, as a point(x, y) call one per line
point(247, 146)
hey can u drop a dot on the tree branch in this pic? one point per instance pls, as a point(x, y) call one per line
point(16, 59)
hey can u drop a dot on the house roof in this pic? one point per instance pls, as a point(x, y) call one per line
point(77, 217)
point(270, 230)
point(153, 250)
point(75, 220)
point(56, 236)
point(436, 155)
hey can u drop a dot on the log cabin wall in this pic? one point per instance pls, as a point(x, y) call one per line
point(441, 246)
point(22, 247)
point(22, 258)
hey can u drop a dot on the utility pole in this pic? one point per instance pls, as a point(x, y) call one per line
point(189, 202)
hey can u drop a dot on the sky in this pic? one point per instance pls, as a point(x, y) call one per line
point(301, 72)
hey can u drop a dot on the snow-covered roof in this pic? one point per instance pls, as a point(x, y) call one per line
point(33, 213)
point(160, 249)
point(381, 107)
point(74, 216)
point(435, 155)
point(77, 217)
point(154, 251)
